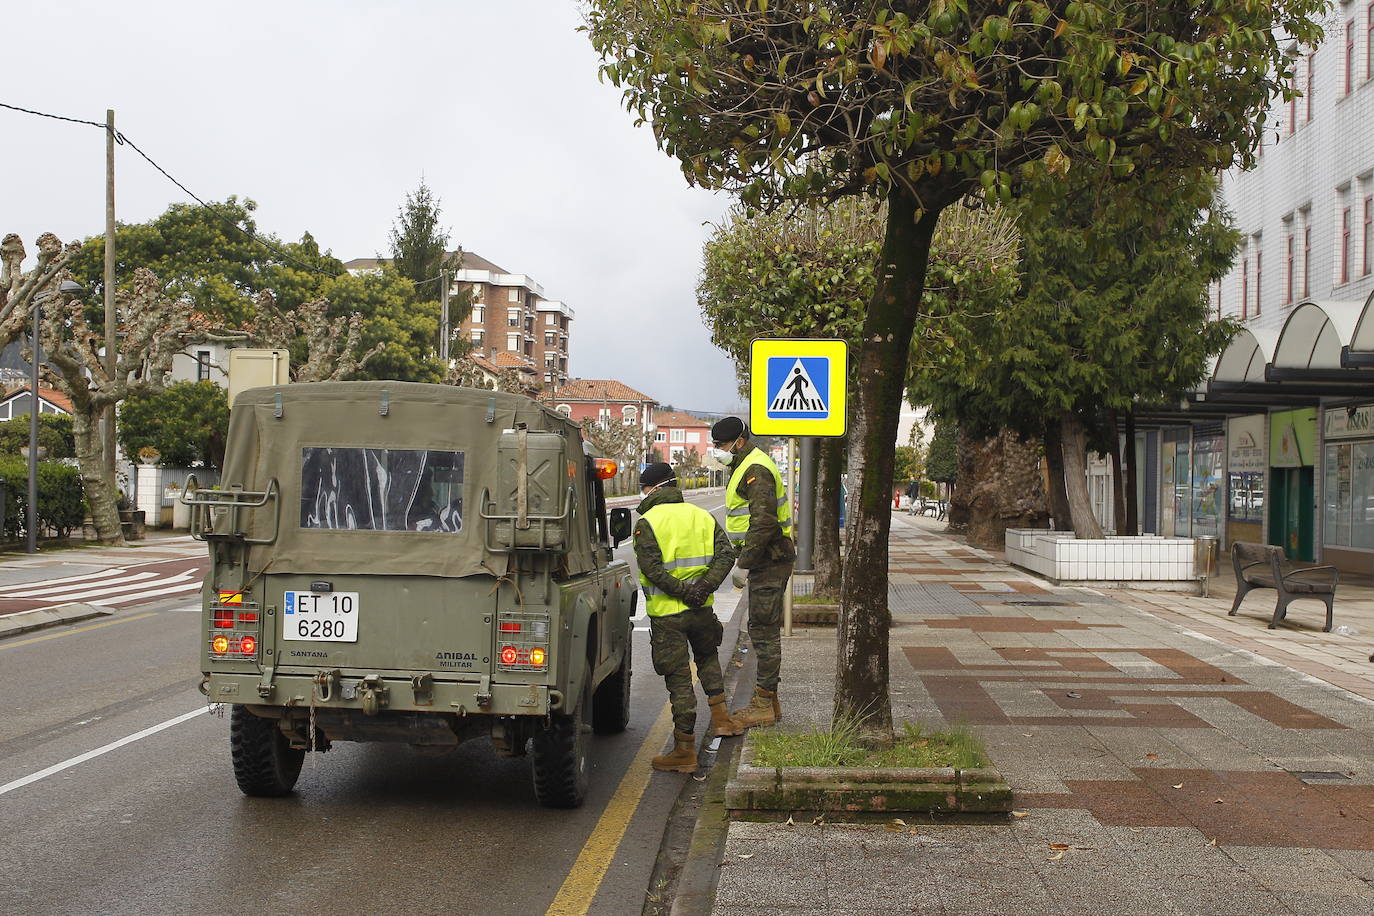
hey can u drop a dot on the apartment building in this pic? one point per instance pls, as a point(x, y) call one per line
point(510, 314)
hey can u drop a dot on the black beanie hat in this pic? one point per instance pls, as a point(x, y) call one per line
point(728, 430)
point(656, 473)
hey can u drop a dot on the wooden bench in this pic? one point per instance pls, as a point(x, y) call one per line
point(1263, 566)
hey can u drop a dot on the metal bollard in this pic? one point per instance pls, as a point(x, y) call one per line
point(1205, 559)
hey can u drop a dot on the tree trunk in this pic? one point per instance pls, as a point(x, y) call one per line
point(90, 457)
point(1054, 459)
point(1006, 490)
point(861, 683)
point(1075, 451)
point(959, 513)
point(1118, 479)
point(826, 556)
point(1132, 497)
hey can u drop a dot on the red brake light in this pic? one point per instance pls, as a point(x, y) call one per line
point(224, 618)
point(248, 617)
point(248, 645)
point(510, 626)
point(508, 655)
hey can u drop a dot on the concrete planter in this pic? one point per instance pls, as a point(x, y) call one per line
point(815, 615)
point(860, 789)
point(1145, 562)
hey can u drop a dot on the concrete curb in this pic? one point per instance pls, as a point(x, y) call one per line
point(41, 619)
point(855, 789)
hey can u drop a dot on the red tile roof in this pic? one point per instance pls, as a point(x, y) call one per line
point(51, 395)
point(508, 360)
point(677, 418)
point(590, 389)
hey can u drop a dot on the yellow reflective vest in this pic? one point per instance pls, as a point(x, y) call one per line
point(686, 536)
point(737, 507)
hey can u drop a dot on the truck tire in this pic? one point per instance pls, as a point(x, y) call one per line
point(265, 766)
point(611, 702)
point(559, 760)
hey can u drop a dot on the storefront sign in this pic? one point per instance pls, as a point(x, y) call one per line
point(1292, 438)
point(1350, 422)
point(1245, 444)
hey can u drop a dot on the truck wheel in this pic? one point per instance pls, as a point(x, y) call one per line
point(265, 766)
point(611, 702)
point(559, 758)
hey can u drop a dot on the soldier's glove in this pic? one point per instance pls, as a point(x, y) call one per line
point(697, 594)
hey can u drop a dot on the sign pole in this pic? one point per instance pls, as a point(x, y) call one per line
point(792, 499)
point(806, 506)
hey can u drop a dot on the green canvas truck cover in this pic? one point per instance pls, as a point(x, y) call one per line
point(387, 477)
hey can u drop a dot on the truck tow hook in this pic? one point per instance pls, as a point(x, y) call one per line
point(373, 693)
point(325, 682)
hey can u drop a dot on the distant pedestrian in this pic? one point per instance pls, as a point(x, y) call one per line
point(758, 519)
point(683, 556)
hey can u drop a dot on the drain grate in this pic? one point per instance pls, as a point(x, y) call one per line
point(1320, 776)
point(931, 598)
point(1040, 603)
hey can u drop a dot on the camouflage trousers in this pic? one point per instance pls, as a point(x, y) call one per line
point(766, 586)
point(673, 641)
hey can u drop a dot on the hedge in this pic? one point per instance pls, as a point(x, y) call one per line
point(61, 499)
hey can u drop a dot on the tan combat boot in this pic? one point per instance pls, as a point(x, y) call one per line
point(720, 718)
point(681, 759)
point(762, 710)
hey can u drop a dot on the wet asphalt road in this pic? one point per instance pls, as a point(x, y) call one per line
point(158, 826)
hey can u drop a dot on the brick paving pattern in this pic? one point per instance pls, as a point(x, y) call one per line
point(1167, 758)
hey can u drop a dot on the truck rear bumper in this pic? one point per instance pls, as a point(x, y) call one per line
point(403, 693)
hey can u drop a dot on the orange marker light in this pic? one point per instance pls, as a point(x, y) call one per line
point(606, 468)
point(536, 656)
point(220, 644)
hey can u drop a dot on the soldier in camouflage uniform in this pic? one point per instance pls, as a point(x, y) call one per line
point(683, 557)
point(759, 525)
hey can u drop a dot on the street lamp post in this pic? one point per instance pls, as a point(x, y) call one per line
point(31, 522)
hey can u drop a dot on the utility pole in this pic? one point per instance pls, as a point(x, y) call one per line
point(111, 357)
point(443, 316)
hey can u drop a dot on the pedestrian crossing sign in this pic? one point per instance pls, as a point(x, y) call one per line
point(797, 387)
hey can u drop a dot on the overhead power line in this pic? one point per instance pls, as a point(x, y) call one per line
point(123, 140)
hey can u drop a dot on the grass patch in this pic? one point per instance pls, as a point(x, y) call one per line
point(839, 747)
point(816, 599)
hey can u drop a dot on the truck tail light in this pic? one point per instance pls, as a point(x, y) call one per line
point(236, 627)
point(248, 646)
point(223, 618)
point(523, 640)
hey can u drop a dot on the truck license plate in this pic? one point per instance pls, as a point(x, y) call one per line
point(331, 617)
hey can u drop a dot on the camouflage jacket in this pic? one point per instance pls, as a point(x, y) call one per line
point(765, 544)
point(650, 558)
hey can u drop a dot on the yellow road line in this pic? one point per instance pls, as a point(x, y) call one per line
point(580, 887)
point(95, 626)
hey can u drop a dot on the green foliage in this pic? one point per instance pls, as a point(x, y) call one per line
point(942, 461)
point(1112, 310)
point(54, 434)
point(392, 317)
point(187, 423)
point(419, 251)
point(791, 99)
point(206, 259)
point(839, 746)
point(908, 464)
point(61, 500)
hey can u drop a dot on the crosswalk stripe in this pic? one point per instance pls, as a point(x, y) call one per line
point(49, 589)
point(176, 583)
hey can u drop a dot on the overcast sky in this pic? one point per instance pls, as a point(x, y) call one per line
point(326, 114)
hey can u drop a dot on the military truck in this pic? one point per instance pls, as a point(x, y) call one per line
point(412, 563)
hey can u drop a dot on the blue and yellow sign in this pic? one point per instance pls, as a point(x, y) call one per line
point(797, 387)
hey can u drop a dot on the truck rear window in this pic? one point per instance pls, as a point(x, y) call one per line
point(381, 489)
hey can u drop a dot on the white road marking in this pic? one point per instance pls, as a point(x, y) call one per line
point(178, 583)
point(48, 589)
point(100, 751)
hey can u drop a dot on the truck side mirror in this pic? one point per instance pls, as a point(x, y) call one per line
point(620, 525)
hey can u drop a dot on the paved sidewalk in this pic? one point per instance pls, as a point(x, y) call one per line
point(1161, 769)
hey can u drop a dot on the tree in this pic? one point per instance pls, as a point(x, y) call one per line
point(152, 330)
point(187, 422)
point(419, 252)
point(17, 288)
point(1112, 311)
point(921, 105)
point(942, 461)
point(54, 434)
point(329, 349)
